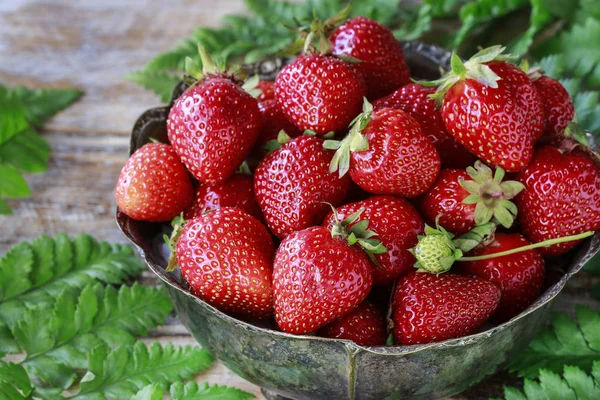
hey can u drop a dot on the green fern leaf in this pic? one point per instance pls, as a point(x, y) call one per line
point(14, 381)
point(193, 391)
point(41, 104)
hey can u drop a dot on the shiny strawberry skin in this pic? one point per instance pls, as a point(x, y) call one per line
point(321, 93)
point(213, 126)
point(226, 258)
point(445, 198)
point(237, 192)
point(414, 100)
point(154, 185)
point(558, 107)
point(561, 197)
point(317, 279)
point(365, 326)
point(397, 225)
point(382, 61)
point(267, 91)
point(293, 183)
point(400, 160)
point(519, 276)
point(273, 122)
point(499, 125)
point(429, 308)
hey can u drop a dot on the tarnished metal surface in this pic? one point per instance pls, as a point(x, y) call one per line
point(306, 367)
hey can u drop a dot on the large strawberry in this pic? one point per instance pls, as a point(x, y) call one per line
point(293, 183)
point(561, 195)
point(429, 308)
point(387, 152)
point(492, 108)
point(226, 258)
point(519, 276)
point(238, 192)
point(154, 185)
point(557, 104)
point(414, 100)
point(319, 276)
point(365, 325)
point(461, 199)
point(214, 124)
point(381, 60)
point(397, 224)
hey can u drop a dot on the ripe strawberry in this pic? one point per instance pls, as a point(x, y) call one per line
point(558, 107)
point(238, 192)
point(381, 58)
point(461, 199)
point(267, 91)
point(293, 183)
point(387, 152)
point(429, 308)
point(519, 276)
point(317, 278)
point(225, 257)
point(365, 326)
point(491, 107)
point(318, 92)
point(397, 224)
point(154, 185)
point(214, 125)
point(561, 196)
point(414, 100)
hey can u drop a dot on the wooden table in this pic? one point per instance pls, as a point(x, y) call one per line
point(91, 45)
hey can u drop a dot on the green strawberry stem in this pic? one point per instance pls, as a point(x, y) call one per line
point(545, 243)
point(178, 223)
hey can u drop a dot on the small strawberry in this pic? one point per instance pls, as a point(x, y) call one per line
point(381, 58)
point(226, 258)
point(273, 122)
point(365, 326)
point(214, 124)
point(386, 152)
point(461, 199)
point(267, 91)
point(320, 276)
point(557, 104)
point(414, 100)
point(492, 108)
point(397, 224)
point(293, 183)
point(429, 308)
point(154, 185)
point(519, 276)
point(237, 192)
point(561, 195)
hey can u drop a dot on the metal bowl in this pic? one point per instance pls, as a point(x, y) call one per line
point(308, 367)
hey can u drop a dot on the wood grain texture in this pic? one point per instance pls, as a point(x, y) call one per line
point(91, 45)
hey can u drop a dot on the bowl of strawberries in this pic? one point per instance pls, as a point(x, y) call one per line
point(347, 224)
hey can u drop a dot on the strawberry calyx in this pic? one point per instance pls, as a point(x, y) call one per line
point(272, 145)
point(355, 141)
point(475, 68)
point(177, 223)
point(357, 234)
point(215, 68)
point(491, 195)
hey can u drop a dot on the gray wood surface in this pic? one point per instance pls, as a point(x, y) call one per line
point(91, 45)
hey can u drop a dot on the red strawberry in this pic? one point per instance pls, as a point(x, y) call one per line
point(429, 308)
point(154, 185)
point(414, 100)
point(293, 183)
point(397, 225)
point(273, 122)
point(561, 197)
point(461, 199)
point(519, 276)
point(213, 126)
point(318, 92)
point(267, 91)
point(225, 257)
point(365, 326)
point(491, 107)
point(317, 278)
point(558, 107)
point(381, 58)
point(238, 192)
point(387, 152)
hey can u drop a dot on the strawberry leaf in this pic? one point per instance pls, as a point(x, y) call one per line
point(193, 391)
point(567, 342)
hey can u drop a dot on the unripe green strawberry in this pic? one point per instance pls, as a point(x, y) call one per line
point(432, 250)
